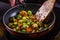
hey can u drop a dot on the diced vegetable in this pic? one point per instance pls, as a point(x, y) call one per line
point(29, 29)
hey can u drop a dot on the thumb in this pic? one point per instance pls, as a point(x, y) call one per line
point(12, 2)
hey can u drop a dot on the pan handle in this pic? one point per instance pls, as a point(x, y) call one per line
point(23, 3)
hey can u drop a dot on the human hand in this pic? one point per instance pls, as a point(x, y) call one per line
point(13, 2)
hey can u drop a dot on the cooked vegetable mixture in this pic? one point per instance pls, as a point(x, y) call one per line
point(25, 22)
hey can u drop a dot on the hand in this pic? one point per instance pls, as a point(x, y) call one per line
point(12, 2)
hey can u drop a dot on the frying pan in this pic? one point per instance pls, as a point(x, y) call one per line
point(27, 6)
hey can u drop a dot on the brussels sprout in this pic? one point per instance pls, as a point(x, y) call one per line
point(19, 16)
point(32, 17)
point(24, 21)
point(23, 13)
point(13, 26)
point(32, 23)
point(15, 23)
point(33, 31)
point(10, 24)
point(23, 30)
point(41, 28)
point(20, 21)
point(11, 18)
point(24, 17)
point(19, 31)
point(29, 12)
point(45, 25)
point(17, 27)
point(15, 20)
point(25, 25)
point(14, 29)
point(40, 24)
point(27, 17)
point(28, 23)
point(35, 25)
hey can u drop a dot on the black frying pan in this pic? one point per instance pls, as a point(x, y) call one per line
point(27, 6)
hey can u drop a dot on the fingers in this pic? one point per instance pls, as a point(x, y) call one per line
point(21, 1)
point(12, 2)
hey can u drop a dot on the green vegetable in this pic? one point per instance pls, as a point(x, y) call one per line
point(27, 17)
point(25, 25)
point(28, 23)
point(35, 25)
point(11, 18)
point(40, 24)
point(45, 25)
point(19, 31)
point(24, 21)
point(20, 21)
point(10, 24)
point(14, 29)
point(17, 27)
point(23, 30)
point(24, 17)
point(41, 28)
point(32, 23)
point(29, 12)
point(13, 26)
point(15, 23)
point(19, 16)
point(33, 31)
